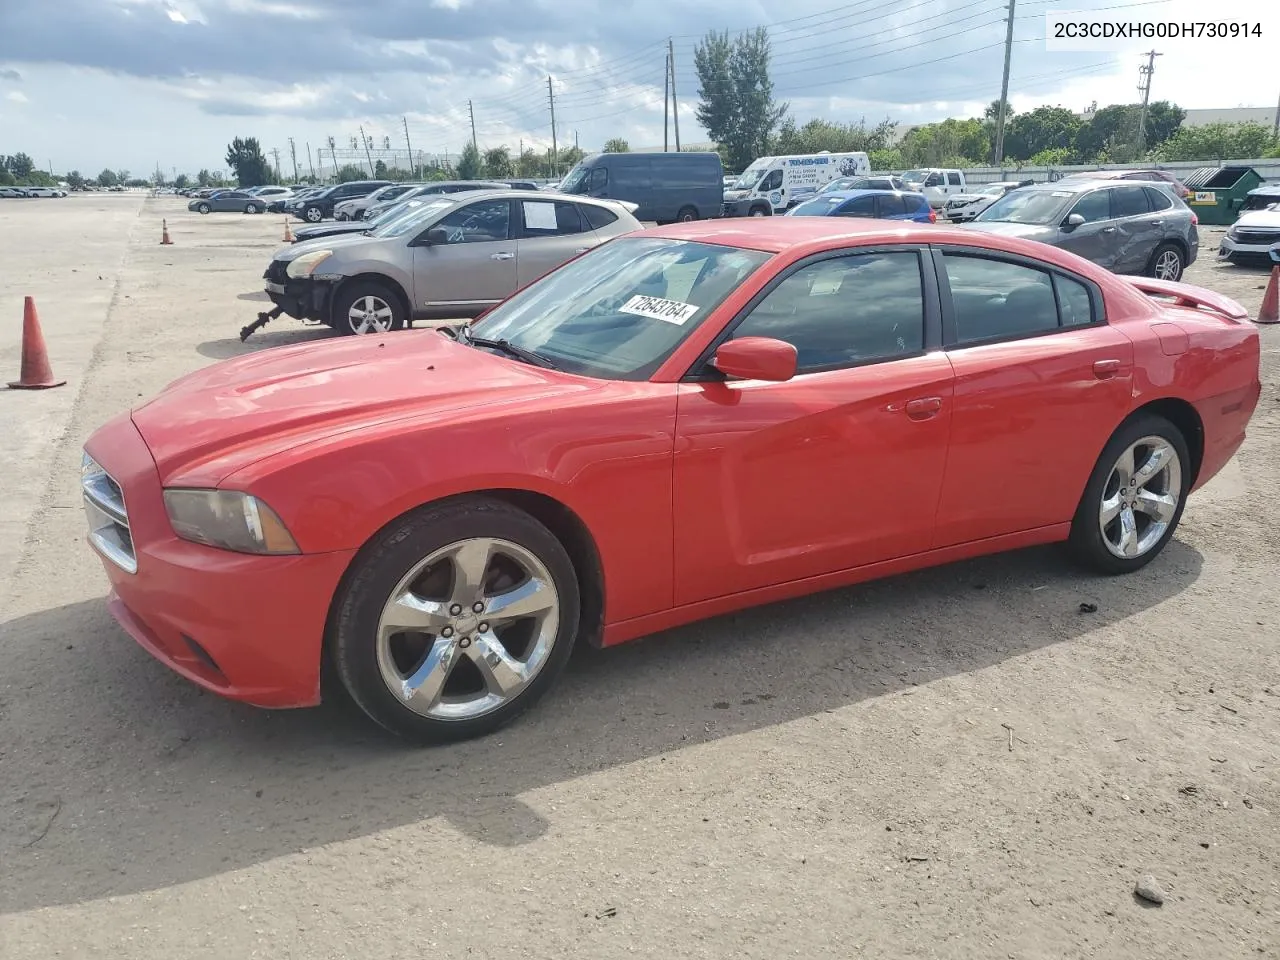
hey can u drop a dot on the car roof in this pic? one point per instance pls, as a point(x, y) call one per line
point(809, 235)
point(866, 192)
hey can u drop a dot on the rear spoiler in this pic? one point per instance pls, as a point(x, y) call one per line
point(1186, 295)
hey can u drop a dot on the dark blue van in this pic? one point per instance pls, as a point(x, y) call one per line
point(669, 187)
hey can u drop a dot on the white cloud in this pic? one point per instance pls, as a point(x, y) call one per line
point(17, 96)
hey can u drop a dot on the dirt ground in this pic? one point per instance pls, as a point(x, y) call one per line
point(954, 764)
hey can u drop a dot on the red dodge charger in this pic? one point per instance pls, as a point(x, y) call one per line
point(680, 423)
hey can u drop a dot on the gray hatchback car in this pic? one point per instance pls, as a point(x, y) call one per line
point(452, 257)
point(1126, 227)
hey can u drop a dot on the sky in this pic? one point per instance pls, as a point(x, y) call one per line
point(136, 84)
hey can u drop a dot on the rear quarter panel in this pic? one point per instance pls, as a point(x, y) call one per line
point(1209, 361)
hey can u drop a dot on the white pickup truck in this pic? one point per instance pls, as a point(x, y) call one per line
point(936, 183)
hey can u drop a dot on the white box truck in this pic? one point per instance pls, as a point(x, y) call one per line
point(773, 184)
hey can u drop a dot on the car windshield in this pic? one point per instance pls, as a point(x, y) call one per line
point(1029, 206)
point(749, 178)
point(843, 183)
point(618, 312)
point(915, 176)
point(574, 177)
point(817, 207)
point(400, 220)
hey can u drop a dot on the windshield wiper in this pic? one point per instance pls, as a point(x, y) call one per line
point(510, 349)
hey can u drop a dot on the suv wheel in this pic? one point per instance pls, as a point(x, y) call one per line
point(1166, 263)
point(313, 214)
point(367, 307)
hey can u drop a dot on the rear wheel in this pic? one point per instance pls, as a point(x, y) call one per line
point(456, 620)
point(1134, 498)
point(759, 211)
point(367, 307)
point(1167, 263)
point(687, 215)
point(313, 214)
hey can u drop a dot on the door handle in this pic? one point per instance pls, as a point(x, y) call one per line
point(1106, 369)
point(501, 256)
point(1157, 223)
point(923, 408)
point(1107, 230)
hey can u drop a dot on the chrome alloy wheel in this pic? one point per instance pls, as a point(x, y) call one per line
point(1140, 498)
point(468, 629)
point(370, 314)
point(1168, 265)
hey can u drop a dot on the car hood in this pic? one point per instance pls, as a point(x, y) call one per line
point(970, 197)
point(1269, 219)
point(334, 242)
point(1026, 231)
point(329, 230)
point(204, 427)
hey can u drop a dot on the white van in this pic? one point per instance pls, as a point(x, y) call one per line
point(774, 184)
point(936, 183)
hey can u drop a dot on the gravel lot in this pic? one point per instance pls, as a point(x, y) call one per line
point(953, 764)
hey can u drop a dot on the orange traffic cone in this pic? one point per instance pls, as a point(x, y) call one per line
point(36, 372)
point(288, 234)
point(1270, 312)
point(164, 236)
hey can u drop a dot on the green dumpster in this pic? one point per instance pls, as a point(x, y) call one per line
point(1218, 193)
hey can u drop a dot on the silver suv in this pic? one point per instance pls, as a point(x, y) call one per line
point(1138, 228)
point(452, 257)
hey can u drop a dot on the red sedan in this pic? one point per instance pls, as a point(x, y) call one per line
point(683, 422)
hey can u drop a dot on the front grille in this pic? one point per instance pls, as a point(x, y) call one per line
point(1264, 237)
point(108, 518)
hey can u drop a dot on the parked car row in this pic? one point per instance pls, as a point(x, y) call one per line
point(15, 193)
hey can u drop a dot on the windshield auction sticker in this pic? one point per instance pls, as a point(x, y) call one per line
point(672, 311)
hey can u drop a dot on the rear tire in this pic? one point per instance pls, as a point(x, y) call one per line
point(313, 214)
point(455, 672)
point(687, 215)
point(1167, 263)
point(366, 307)
point(1134, 498)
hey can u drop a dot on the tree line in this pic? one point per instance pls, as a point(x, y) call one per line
point(738, 109)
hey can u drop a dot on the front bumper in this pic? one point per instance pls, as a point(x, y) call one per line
point(741, 208)
point(1248, 246)
point(245, 627)
point(304, 298)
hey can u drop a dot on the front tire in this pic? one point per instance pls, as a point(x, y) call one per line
point(251, 208)
point(367, 307)
point(455, 620)
point(1135, 497)
point(203, 208)
point(340, 216)
point(313, 214)
point(759, 212)
point(1167, 263)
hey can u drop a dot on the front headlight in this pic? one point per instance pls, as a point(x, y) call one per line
point(228, 519)
point(306, 264)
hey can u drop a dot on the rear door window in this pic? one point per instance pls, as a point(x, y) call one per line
point(546, 218)
point(1129, 201)
point(597, 217)
point(890, 206)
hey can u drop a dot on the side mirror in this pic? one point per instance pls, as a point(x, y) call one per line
point(435, 237)
point(1073, 221)
point(756, 358)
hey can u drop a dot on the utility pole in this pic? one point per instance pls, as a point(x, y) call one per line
point(555, 152)
point(671, 73)
point(1275, 129)
point(275, 152)
point(472, 112)
point(309, 163)
point(1144, 87)
point(407, 143)
point(666, 102)
point(1004, 88)
point(293, 153)
point(367, 154)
